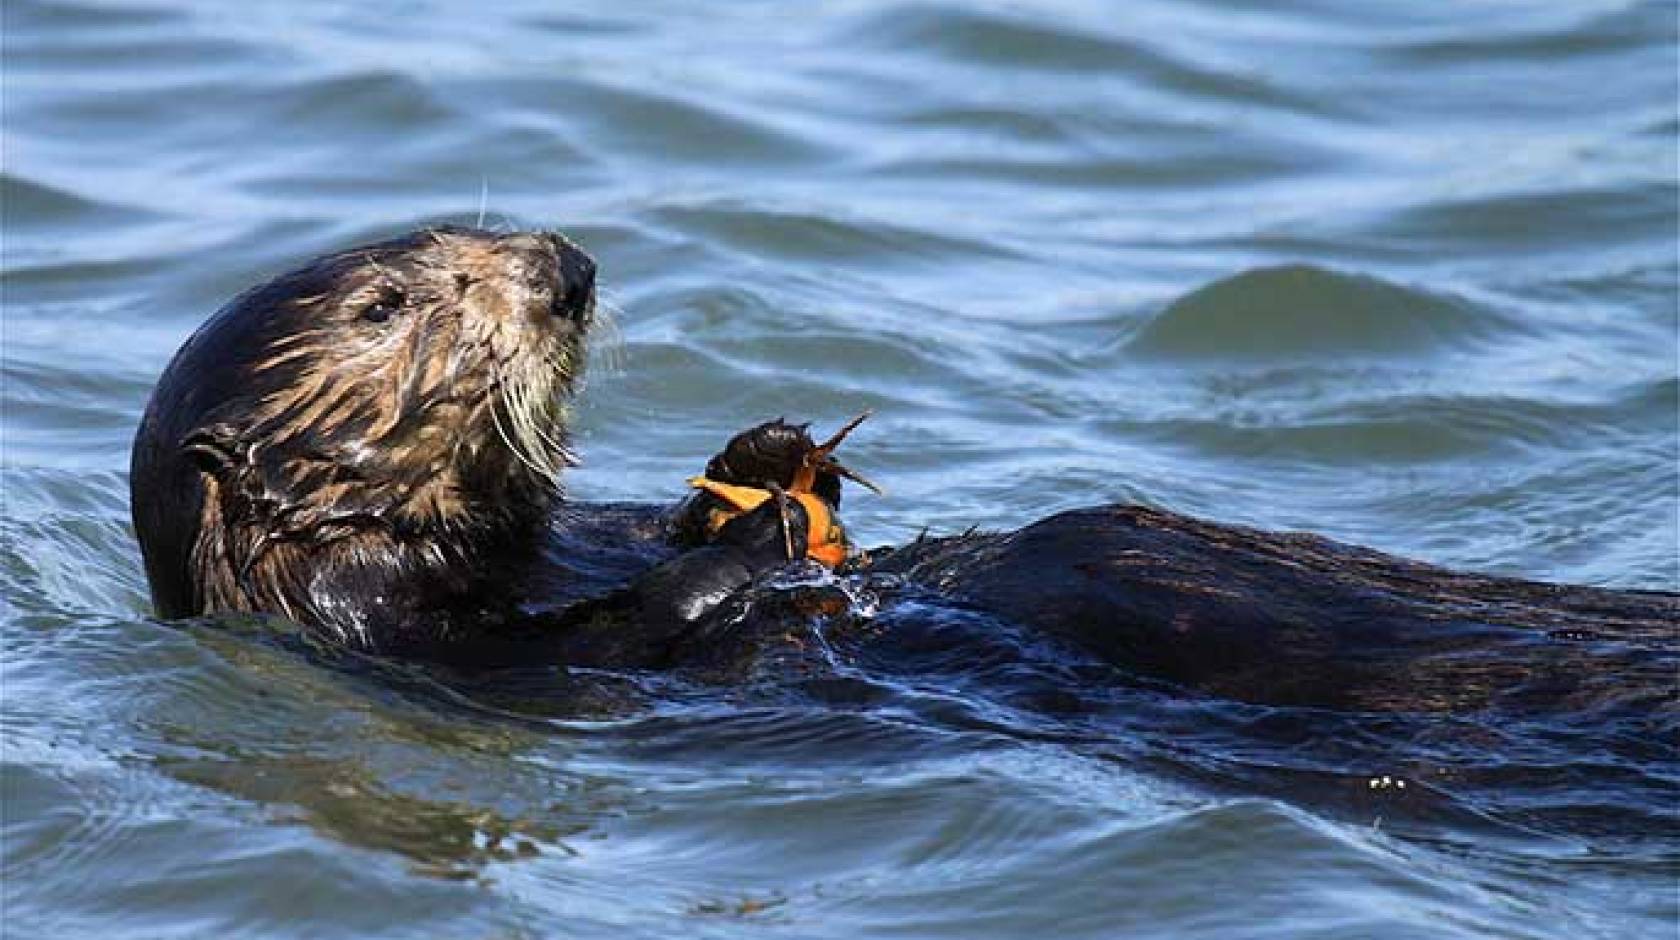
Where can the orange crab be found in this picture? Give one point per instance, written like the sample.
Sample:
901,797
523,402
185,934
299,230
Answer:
779,451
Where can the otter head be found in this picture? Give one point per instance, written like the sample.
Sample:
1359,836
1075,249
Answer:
375,423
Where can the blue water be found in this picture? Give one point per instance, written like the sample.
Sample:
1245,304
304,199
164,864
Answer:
1400,274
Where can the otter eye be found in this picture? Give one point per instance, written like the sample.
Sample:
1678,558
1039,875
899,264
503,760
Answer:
388,302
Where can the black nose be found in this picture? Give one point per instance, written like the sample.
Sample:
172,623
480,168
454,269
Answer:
577,279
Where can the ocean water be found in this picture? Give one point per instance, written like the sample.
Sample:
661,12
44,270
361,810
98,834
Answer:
1402,274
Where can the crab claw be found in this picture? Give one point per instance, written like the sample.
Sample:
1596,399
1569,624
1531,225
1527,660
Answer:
820,459
827,447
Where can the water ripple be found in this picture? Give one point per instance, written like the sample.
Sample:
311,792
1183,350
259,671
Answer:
1398,274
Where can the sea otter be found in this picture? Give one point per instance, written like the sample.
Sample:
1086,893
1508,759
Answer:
363,444
371,447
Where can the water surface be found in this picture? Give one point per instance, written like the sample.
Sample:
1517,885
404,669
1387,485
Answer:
1401,274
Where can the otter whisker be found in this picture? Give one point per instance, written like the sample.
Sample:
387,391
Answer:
542,417
524,433
518,453
518,412
528,413
606,340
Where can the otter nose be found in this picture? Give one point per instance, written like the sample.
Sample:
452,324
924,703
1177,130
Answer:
577,279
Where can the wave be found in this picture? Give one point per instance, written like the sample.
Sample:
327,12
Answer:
1303,311
34,202
989,40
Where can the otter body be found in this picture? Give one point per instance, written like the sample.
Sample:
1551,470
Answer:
370,446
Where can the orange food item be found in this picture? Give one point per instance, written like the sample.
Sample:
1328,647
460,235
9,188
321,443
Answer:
826,541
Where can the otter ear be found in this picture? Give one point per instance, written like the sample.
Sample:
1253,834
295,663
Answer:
214,449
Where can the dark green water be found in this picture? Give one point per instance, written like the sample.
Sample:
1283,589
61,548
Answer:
1403,274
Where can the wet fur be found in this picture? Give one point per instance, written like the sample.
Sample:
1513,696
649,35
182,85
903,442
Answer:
395,485
361,437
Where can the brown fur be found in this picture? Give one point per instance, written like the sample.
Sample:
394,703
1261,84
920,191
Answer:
376,423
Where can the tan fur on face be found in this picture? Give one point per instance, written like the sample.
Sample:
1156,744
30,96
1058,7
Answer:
440,421
439,388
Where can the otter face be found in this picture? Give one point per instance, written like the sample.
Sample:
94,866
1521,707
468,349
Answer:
435,362
388,395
